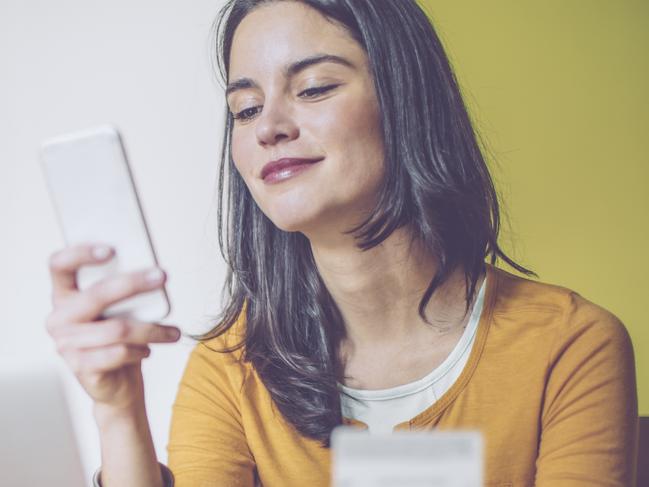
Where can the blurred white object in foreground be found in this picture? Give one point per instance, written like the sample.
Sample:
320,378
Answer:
406,458
37,440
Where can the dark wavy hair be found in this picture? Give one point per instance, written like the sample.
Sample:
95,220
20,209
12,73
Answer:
436,184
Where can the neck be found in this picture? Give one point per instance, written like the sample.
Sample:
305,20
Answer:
378,291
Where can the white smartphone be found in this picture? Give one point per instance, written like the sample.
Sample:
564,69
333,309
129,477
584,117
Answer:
95,200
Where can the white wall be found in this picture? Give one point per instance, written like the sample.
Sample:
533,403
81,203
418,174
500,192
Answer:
144,66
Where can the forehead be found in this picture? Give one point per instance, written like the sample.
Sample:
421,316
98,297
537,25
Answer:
276,34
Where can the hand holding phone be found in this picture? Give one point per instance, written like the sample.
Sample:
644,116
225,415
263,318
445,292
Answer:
104,354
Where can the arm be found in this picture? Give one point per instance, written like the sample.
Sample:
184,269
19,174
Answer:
105,355
207,443
128,455
590,412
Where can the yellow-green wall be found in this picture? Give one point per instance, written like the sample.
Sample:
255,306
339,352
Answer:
559,91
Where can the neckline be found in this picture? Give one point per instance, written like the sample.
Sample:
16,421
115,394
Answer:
438,372
491,286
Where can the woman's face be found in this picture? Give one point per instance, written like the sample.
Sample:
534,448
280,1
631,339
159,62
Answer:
324,112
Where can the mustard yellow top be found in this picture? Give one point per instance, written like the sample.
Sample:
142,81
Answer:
550,383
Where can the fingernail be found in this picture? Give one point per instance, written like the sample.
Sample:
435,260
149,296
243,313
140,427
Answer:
101,252
154,276
173,333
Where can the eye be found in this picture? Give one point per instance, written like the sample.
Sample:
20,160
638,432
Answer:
313,92
246,114
309,93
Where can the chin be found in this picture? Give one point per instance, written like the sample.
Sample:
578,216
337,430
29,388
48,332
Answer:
305,212
289,211
291,223
321,226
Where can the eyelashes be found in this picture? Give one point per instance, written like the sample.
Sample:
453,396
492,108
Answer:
246,114
308,94
318,90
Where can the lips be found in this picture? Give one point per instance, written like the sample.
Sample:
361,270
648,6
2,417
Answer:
286,166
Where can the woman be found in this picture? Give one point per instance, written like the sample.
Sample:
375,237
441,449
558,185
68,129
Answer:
358,218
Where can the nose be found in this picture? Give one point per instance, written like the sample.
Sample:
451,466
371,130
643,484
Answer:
275,124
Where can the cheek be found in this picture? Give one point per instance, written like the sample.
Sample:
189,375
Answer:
239,153
243,156
357,135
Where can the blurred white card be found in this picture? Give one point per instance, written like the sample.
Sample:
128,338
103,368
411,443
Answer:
406,458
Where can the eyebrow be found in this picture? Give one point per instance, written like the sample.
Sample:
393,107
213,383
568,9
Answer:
291,70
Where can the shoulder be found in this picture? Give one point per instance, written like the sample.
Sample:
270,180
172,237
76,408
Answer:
230,343
221,356
560,313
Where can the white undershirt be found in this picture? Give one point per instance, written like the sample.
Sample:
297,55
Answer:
382,409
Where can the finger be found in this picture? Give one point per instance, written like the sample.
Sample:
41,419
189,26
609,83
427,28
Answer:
104,359
89,304
65,263
115,331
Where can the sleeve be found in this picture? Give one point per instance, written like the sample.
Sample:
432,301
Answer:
167,477
207,444
589,423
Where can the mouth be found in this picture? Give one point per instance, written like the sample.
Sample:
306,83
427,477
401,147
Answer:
283,169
